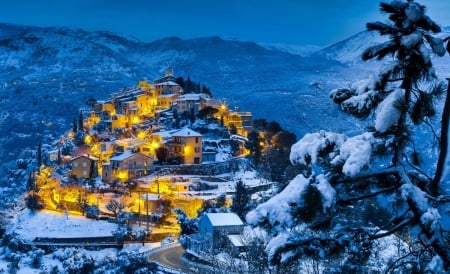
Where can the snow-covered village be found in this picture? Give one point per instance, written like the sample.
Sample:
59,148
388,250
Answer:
214,155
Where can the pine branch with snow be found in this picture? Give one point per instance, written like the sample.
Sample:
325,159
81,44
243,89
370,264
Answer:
349,174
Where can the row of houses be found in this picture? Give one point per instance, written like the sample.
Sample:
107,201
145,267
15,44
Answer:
132,158
132,109
137,104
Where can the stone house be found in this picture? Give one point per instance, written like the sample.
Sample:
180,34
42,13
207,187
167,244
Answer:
84,166
126,166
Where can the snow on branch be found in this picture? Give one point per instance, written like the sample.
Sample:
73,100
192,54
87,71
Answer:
411,41
360,98
355,152
327,192
388,112
307,150
276,211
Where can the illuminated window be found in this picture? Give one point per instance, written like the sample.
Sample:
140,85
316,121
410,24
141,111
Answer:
75,164
84,164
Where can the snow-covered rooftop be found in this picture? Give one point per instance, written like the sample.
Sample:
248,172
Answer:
164,134
224,219
85,156
167,83
193,96
122,156
130,142
151,197
236,240
166,95
186,132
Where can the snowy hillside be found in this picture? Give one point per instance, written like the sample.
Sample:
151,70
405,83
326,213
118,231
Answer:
304,50
349,50
47,74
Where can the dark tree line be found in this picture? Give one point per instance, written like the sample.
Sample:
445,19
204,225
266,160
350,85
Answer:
270,146
190,86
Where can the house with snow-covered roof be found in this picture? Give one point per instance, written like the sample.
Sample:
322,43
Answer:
191,102
217,231
84,166
186,144
125,166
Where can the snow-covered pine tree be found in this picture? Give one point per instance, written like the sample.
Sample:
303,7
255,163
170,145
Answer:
353,173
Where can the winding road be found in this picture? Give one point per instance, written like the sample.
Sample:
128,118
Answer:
171,258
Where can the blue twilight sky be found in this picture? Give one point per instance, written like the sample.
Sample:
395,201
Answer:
296,22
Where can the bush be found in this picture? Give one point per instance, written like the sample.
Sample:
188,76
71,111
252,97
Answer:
34,202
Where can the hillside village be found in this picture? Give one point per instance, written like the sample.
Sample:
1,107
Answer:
143,152
141,124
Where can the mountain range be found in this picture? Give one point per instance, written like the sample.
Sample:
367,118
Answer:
47,74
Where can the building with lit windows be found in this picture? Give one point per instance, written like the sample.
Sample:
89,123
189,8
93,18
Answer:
126,166
84,166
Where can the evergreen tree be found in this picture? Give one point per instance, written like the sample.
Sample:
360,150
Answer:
162,153
254,145
207,91
188,85
240,199
188,226
176,117
192,115
59,157
409,33
180,82
221,200
272,128
39,155
74,126
80,121
351,172
31,182
34,202
207,112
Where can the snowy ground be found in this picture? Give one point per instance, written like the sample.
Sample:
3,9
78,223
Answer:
29,225
54,259
225,183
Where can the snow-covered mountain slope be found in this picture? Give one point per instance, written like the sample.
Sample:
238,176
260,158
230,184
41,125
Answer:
48,73
349,51
293,49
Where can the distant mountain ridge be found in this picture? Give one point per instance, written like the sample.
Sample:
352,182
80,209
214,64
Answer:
351,49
